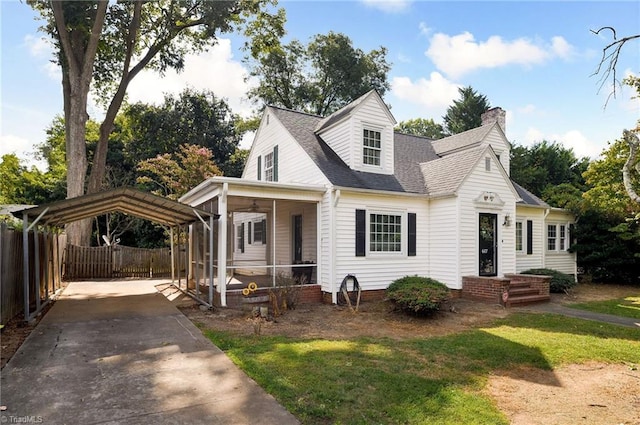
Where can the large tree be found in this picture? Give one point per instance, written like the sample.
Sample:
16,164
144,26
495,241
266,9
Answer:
466,112
318,78
421,127
197,118
106,44
541,168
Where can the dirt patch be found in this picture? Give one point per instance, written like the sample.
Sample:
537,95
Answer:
373,319
15,332
589,394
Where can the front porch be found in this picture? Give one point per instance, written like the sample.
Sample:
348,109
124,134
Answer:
266,232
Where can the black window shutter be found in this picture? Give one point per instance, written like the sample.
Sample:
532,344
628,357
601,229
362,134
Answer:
411,246
259,168
572,238
249,234
242,237
275,163
529,237
361,227
264,231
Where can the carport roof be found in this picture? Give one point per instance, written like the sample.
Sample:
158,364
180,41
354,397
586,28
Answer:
125,200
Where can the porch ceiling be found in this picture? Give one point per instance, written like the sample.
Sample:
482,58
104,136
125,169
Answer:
125,200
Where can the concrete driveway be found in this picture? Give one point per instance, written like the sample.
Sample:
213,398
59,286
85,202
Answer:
120,352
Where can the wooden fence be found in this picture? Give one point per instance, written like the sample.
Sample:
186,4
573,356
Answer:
107,262
50,251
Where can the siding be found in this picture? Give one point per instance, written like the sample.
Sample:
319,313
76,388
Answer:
254,253
294,165
371,114
377,271
534,260
500,146
477,182
563,261
443,241
284,231
339,139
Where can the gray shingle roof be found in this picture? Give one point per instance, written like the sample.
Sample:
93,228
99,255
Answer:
409,152
529,198
463,140
443,176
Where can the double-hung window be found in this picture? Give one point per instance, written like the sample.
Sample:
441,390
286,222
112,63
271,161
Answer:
385,233
371,147
552,237
268,167
519,236
557,237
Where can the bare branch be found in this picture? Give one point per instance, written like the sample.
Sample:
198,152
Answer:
608,65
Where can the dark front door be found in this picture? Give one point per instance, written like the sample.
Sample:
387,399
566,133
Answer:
488,236
297,239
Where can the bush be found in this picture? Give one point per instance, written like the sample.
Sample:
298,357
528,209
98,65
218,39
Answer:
560,282
418,295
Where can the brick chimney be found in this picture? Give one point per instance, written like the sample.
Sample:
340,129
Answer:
496,114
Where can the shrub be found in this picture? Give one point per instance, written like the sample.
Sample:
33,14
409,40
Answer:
560,282
418,295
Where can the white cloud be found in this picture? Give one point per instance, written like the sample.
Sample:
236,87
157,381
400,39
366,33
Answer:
460,54
22,148
215,70
424,29
572,139
40,48
435,93
389,6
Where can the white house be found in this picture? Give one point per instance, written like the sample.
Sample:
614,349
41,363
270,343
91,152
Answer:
348,195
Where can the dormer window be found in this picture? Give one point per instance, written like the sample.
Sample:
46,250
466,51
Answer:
371,147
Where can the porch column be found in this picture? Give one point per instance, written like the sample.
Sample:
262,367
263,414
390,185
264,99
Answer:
222,245
318,243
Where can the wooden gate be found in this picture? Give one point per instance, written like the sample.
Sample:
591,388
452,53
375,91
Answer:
107,262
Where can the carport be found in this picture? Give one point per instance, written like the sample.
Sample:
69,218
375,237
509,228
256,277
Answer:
175,215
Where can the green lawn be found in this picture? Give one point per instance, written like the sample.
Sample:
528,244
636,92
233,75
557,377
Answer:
435,380
625,307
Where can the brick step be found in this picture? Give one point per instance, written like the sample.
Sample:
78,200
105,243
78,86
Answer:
519,284
518,291
527,299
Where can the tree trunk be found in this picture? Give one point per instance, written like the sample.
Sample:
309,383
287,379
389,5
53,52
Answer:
78,53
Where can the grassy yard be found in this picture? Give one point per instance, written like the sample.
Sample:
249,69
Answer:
434,380
625,307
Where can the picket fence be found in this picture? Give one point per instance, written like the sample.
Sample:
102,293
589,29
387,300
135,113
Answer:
112,262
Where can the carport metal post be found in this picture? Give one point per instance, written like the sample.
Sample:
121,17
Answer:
173,257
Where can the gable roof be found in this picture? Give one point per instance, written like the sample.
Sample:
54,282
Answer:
409,152
345,111
462,140
444,176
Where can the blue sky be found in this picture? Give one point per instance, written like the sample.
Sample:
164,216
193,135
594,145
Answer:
533,59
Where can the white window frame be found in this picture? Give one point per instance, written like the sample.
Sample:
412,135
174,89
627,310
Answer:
268,167
239,238
370,152
520,225
561,237
402,233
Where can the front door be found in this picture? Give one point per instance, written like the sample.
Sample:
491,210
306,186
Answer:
297,239
488,237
